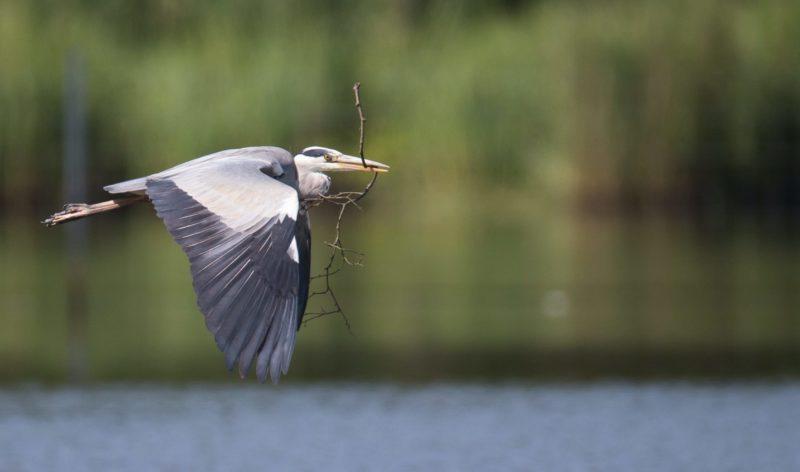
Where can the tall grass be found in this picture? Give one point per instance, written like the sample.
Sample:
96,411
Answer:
622,104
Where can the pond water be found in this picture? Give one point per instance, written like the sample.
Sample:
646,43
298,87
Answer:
615,426
493,290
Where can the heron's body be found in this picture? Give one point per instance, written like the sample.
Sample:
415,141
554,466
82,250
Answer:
238,216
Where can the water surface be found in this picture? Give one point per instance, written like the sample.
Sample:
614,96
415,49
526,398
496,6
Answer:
593,426
500,291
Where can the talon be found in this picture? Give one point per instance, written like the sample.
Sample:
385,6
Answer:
75,207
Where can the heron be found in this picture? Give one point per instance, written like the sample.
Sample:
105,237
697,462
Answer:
241,217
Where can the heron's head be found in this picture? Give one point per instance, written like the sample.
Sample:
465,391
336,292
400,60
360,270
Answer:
322,159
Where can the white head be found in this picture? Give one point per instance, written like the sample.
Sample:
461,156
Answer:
322,159
315,160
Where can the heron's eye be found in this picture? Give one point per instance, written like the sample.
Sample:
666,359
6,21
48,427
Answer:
328,157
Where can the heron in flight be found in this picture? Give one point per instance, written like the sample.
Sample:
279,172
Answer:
239,216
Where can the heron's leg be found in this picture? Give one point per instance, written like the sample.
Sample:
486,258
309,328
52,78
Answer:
75,211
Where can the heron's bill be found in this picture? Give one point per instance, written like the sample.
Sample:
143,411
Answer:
353,163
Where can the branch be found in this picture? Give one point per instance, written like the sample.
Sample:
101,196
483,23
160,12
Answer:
361,122
339,253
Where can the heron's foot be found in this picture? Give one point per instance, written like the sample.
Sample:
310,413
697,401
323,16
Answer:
75,207
70,212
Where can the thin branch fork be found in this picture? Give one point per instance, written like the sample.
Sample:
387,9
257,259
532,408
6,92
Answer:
339,252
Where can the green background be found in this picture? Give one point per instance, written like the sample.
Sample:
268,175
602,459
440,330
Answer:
578,189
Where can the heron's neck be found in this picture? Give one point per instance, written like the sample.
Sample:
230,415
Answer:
312,184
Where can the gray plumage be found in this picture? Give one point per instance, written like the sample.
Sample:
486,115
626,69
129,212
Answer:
270,153
238,216
236,221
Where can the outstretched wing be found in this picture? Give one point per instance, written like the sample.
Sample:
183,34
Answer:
236,222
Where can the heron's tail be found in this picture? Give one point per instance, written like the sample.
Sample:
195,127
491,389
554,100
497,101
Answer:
76,211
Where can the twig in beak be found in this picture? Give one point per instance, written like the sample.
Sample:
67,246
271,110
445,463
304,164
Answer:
362,121
345,255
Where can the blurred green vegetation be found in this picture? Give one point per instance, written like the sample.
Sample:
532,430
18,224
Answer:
619,103
522,138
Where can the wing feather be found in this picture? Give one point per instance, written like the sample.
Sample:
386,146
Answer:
303,237
236,225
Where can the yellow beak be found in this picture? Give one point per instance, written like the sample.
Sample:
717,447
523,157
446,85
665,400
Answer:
352,163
